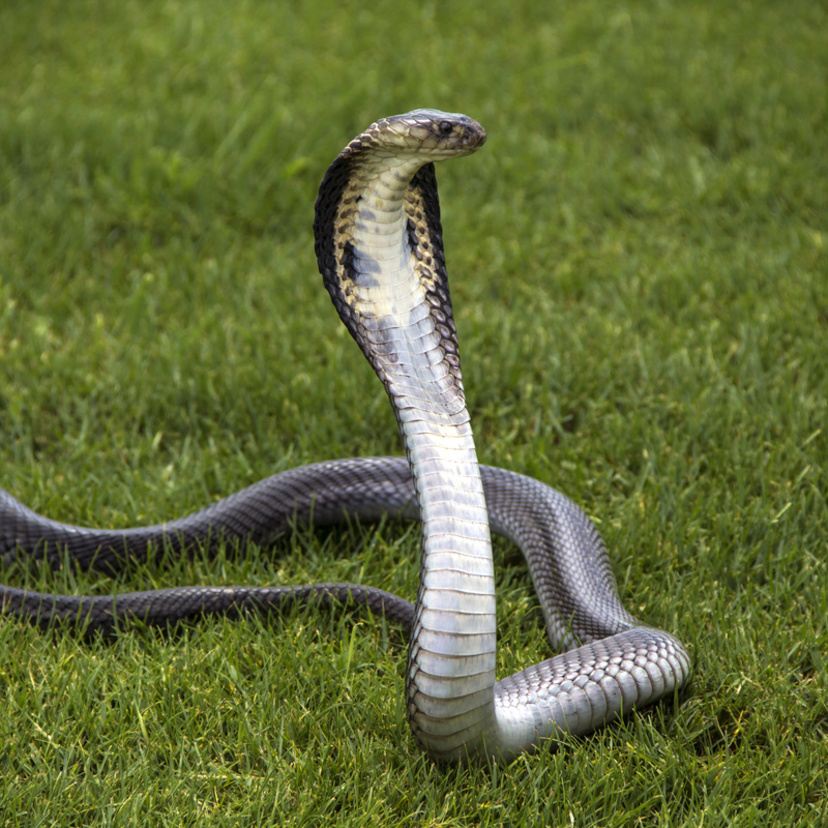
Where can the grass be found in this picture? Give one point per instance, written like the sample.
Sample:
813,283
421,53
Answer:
638,261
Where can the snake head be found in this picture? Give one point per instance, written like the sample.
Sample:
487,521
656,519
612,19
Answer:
435,133
424,135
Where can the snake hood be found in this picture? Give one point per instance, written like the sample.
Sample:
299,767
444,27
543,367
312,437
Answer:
378,217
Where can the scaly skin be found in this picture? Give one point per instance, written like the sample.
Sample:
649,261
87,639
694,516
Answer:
380,251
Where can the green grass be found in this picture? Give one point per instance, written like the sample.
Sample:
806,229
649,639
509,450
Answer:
638,262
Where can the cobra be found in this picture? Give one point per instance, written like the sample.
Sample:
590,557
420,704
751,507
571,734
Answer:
380,251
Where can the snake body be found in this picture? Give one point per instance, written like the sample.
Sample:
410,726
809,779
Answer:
380,252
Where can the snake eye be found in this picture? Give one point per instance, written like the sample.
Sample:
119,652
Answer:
446,127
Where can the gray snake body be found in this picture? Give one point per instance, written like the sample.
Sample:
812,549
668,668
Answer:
379,247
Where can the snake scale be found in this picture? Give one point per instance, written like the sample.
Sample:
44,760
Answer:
380,251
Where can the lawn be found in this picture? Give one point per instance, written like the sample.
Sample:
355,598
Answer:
640,278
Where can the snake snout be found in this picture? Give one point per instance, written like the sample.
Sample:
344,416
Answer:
458,132
474,135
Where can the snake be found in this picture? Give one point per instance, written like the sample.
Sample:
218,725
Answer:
379,248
